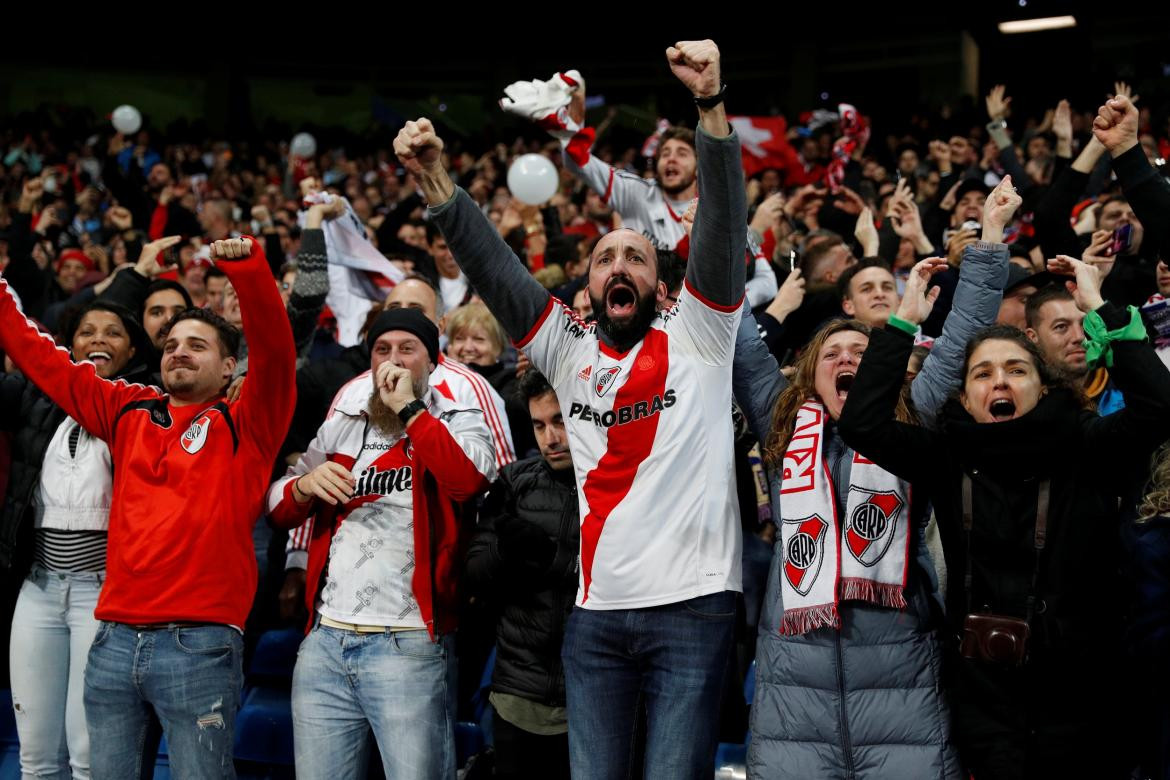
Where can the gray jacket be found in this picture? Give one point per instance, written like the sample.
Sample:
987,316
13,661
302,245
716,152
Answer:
864,701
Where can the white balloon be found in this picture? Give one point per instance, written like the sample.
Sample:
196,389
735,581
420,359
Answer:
532,179
126,119
303,145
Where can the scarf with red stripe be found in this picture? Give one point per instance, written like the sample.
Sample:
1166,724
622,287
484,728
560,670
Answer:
825,560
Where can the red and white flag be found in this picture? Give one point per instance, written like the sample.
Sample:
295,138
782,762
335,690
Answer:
764,142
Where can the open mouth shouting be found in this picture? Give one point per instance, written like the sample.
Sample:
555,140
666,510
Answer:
842,383
621,300
99,358
1002,409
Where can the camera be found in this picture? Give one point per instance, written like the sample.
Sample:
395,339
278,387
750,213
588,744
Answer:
996,639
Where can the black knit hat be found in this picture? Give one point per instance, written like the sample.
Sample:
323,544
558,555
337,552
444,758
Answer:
411,321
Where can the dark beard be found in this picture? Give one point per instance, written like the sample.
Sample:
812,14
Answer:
627,334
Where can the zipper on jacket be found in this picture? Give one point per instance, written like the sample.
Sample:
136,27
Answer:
846,742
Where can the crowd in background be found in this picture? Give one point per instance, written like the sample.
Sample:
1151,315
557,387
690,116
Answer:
88,214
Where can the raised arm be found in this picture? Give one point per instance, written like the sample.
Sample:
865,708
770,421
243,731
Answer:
266,402
715,270
1116,338
867,422
978,295
1116,127
756,380
311,287
75,387
514,297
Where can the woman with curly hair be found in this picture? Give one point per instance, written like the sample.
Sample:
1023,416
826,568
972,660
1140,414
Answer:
848,680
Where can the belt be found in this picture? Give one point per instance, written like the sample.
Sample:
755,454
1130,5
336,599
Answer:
357,629
168,626
360,629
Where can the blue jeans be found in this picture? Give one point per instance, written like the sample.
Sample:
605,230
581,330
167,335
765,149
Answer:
401,685
189,676
52,629
672,660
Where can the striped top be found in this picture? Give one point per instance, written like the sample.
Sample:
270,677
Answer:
58,550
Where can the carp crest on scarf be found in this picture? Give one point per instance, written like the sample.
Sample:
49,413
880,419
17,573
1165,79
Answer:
826,561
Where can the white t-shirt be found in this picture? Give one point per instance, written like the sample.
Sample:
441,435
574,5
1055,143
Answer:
651,436
453,291
371,557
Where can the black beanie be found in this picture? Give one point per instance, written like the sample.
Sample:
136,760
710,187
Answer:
411,321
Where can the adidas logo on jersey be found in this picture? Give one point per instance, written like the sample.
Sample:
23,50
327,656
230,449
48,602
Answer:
584,373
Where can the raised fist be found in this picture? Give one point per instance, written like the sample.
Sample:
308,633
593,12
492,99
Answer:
1116,125
418,147
696,65
231,249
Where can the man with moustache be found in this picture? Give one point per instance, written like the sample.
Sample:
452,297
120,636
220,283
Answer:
382,486
646,396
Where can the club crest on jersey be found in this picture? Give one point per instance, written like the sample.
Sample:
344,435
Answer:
196,436
804,552
604,380
869,528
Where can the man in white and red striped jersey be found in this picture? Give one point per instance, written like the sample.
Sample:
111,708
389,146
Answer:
646,395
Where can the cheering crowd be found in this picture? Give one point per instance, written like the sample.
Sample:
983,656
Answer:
622,440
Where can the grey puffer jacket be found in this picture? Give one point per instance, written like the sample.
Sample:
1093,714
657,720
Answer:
864,701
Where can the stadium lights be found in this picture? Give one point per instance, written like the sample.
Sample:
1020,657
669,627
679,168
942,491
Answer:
1035,25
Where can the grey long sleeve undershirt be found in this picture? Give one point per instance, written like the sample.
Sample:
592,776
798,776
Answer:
716,268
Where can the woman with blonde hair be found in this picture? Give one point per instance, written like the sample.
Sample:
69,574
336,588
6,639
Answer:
476,339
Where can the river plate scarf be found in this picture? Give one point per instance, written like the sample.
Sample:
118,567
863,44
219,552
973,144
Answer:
827,560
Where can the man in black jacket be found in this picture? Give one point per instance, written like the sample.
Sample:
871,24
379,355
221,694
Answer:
523,560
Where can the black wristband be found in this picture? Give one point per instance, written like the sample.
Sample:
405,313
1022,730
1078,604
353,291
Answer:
714,100
410,410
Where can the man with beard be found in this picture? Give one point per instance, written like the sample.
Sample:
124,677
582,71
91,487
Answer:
189,474
652,207
646,396
382,486
1056,327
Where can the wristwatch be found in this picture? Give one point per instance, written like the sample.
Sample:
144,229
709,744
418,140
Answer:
410,410
714,100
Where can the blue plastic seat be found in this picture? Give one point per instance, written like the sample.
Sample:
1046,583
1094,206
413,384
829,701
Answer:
276,655
7,719
468,741
264,731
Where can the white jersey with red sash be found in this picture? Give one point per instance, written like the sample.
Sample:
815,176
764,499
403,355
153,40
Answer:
651,435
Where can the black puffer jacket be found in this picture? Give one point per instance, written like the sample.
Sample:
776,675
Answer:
32,419
532,604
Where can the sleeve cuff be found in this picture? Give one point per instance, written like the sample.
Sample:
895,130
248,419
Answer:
897,323
435,211
1132,166
297,559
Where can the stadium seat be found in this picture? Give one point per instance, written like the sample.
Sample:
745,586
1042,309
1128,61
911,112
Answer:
275,656
264,732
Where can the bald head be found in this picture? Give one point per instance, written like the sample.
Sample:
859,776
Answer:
415,293
625,235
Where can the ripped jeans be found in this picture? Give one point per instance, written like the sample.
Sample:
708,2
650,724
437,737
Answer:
190,676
